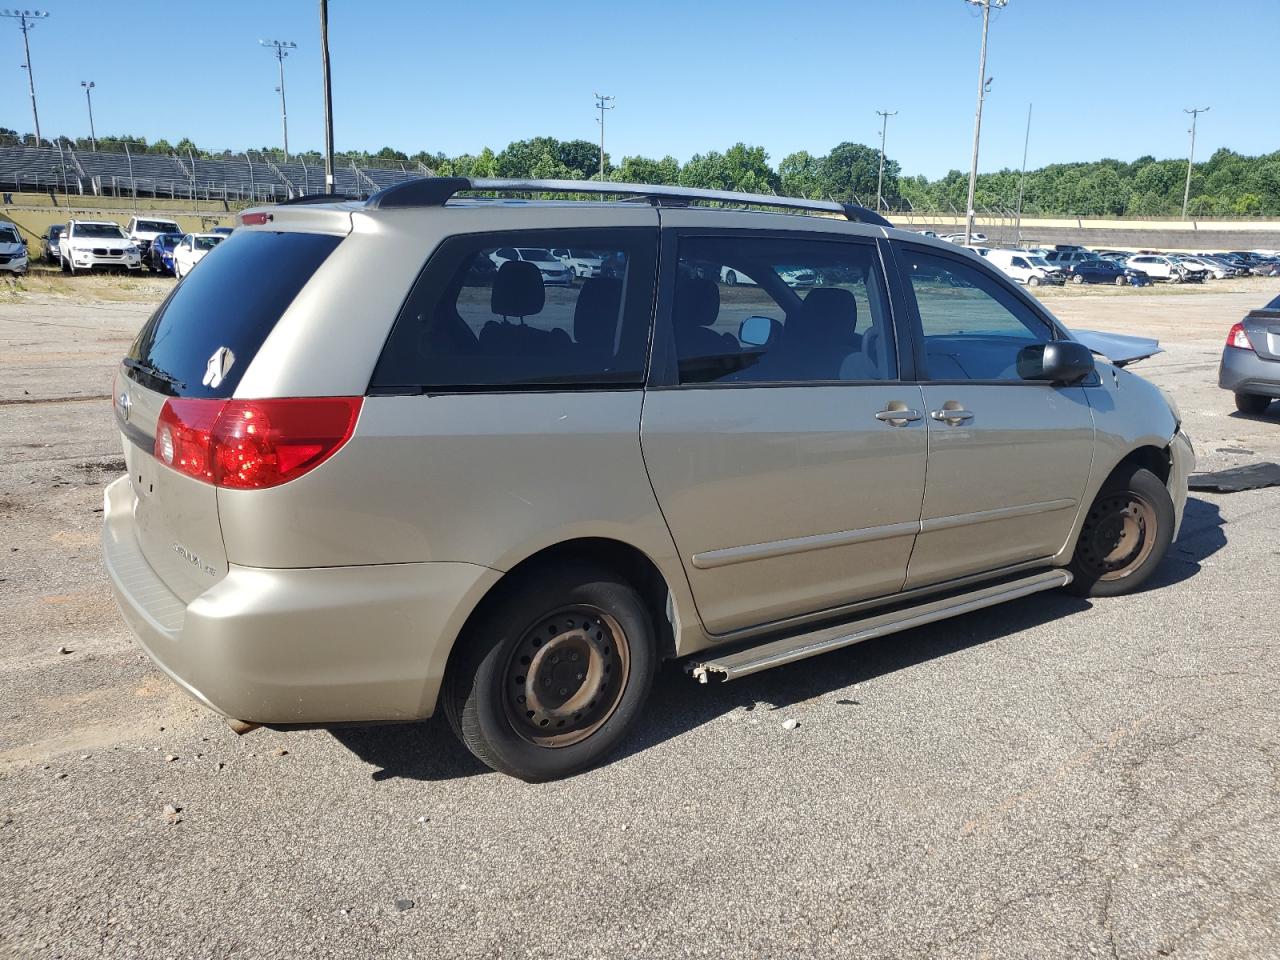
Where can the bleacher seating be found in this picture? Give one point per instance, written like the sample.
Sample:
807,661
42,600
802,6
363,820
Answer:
167,175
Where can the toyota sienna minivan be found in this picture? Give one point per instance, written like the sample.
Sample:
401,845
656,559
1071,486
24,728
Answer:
368,480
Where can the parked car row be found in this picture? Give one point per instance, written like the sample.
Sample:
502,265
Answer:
151,243
1065,262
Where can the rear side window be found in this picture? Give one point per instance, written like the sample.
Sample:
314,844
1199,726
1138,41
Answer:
232,301
498,311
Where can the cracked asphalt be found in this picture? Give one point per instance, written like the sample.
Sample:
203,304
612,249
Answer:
1055,778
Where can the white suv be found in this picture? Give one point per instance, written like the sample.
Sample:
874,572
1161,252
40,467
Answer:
1167,268
142,230
87,244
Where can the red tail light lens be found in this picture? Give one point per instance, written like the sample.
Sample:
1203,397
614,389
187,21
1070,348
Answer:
252,444
1239,337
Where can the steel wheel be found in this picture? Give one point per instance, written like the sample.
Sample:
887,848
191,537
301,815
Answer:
1119,534
566,676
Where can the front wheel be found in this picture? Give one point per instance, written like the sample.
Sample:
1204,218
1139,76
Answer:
1077,278
1125,535
1252,403
1033,281
553,676
731,279
1121,280
1175,277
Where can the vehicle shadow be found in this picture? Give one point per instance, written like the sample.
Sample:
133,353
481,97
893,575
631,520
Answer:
429,751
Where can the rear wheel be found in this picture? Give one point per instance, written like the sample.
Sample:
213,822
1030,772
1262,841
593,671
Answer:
1125,535
552,678
1252,403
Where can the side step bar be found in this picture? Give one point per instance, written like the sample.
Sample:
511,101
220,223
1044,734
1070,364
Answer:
741,663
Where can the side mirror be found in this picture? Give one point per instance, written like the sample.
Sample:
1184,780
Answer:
758,331
1060,361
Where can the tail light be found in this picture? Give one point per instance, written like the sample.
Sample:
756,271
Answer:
1237,336
252,444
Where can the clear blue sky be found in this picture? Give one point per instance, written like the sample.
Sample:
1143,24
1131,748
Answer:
1108,78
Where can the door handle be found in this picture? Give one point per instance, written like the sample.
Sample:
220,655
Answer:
898,418
951,416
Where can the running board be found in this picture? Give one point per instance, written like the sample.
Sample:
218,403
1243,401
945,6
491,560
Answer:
741,663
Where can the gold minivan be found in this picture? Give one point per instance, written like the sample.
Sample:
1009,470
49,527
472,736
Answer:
386,457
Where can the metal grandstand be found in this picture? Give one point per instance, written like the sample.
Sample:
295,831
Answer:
60,168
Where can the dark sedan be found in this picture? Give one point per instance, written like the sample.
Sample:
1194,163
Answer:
1107,271
160,253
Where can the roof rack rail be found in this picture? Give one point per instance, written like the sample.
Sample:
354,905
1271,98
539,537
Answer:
436,191
318,198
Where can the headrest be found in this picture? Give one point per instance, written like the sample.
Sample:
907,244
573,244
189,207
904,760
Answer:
595,317
697,302
518,290
824,310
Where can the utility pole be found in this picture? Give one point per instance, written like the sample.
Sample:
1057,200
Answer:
602,105
88,95
281,48
986,6
328,97
1186,193
25,24
1022,180
884,127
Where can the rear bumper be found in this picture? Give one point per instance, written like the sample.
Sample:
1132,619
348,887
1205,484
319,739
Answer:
1243,371
312,645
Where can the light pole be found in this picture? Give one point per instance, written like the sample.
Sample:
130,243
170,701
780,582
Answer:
602,105
25,24
281,48
986,6
884,128
1186,192
328,97
1022,179
88,95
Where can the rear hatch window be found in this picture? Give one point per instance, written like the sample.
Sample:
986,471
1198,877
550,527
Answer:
200,341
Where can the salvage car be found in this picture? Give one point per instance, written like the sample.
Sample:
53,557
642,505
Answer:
455,504
1250,366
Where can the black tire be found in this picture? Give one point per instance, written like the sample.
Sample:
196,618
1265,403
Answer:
1121,280
1124,537
66,267
1033,281
1077,278
1252,403
731,279
573,611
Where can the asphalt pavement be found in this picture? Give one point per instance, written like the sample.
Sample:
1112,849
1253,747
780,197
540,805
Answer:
1054,778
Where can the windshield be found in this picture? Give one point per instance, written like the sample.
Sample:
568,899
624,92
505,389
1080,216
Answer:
9,235
1038,261
229,302
99,230
207,243
56,231
537,255
156,226
167,240
584,255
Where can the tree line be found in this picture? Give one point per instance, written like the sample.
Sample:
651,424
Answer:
1227,184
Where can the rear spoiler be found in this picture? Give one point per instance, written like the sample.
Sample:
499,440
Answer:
1119,348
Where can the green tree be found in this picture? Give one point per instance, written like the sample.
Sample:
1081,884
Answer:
647,170
800,175
743,168
849,173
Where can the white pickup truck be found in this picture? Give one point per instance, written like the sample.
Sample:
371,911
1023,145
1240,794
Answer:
87,244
